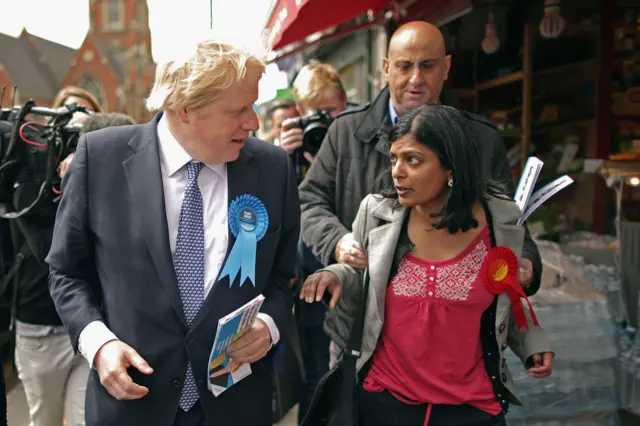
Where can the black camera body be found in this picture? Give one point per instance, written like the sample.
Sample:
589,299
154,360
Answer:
30,152
314,126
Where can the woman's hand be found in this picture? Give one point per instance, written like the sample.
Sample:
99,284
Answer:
525,273
541,365
314,287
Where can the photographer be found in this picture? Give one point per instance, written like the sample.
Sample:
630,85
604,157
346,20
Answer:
278,113
53,376
320,97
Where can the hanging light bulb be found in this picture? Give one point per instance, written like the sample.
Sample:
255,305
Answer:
552,24
490,43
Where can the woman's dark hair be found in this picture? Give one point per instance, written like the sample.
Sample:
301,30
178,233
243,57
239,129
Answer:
449,134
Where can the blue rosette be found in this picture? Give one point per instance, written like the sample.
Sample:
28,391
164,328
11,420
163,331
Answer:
248,222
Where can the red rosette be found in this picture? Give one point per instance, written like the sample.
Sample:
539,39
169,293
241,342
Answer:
500,272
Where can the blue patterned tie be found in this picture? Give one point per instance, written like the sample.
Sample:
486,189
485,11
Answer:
189,266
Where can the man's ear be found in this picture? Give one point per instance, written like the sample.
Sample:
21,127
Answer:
385,68
447,66
184,116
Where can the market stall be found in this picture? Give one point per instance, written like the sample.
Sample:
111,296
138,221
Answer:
561,82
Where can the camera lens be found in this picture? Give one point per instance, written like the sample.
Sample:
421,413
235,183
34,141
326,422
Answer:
313,137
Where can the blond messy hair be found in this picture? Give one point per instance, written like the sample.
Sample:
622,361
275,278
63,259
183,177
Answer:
316,83
199,77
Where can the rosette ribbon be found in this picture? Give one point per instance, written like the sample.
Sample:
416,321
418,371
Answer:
248,222
500,272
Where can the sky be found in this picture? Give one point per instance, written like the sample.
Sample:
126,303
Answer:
67,22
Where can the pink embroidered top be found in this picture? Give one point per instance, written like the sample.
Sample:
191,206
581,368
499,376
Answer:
429,350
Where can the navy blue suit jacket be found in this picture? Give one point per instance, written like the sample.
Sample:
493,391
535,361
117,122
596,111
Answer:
110,261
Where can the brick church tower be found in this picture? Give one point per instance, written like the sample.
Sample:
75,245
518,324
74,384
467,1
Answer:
115,61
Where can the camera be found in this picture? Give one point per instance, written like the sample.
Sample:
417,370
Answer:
30,153
314,126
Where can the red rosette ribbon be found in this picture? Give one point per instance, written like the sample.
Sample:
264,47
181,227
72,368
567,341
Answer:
500,272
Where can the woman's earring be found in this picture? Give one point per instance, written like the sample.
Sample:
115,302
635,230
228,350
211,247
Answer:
450,183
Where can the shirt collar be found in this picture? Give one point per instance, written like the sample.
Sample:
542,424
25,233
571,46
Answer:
393,114
173,155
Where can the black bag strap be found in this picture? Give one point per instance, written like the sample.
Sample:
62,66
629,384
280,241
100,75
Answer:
355,338
23,255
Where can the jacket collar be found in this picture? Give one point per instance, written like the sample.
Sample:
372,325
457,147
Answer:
377,118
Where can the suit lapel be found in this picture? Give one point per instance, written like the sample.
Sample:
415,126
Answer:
145,183
241,179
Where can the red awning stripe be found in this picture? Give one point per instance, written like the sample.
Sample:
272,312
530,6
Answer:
298,47
294,20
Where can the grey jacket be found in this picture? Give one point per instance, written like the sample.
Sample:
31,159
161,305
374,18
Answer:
377,228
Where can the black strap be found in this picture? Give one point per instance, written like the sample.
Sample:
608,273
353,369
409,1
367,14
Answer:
23,255
355,338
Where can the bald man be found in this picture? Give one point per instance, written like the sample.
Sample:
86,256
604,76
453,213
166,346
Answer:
353,162
416,67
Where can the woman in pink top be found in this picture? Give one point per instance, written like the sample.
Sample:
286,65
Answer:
434,336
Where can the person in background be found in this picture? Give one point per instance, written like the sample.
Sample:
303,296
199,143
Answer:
54,377
103,120
435,333
76,95
97,121
316,87
278,113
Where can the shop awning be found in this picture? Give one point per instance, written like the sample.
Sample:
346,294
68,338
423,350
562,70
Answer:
293,20
438,12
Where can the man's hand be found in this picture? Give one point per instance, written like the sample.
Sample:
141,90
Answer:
525,273
541,365
349,252
64,165
253,345
290,136
314,287
112,361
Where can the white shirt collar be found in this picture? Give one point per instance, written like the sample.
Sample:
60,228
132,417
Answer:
393,113
173,155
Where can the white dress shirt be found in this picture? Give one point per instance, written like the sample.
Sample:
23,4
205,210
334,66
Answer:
213,185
